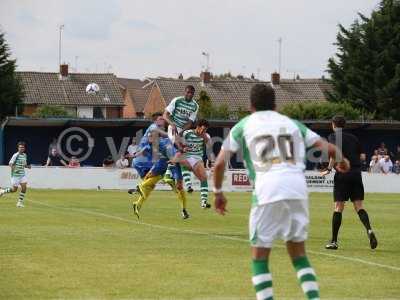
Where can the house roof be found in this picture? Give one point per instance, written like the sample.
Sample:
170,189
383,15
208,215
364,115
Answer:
292,91
139,91
47,88
235,93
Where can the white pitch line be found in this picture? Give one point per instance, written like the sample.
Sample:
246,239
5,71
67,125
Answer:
209,234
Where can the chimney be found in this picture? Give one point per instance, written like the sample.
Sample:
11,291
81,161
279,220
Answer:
275,78
63,71
205,77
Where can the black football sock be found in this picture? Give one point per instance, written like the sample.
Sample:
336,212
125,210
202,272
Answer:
364,218
336,222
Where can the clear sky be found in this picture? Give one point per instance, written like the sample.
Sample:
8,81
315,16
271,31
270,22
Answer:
138,39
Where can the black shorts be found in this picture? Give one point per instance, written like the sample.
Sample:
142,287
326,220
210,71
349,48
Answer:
348,186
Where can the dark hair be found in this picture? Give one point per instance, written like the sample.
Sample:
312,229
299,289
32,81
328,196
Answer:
339,121
190,87
156,115
21,144
262,97
202,122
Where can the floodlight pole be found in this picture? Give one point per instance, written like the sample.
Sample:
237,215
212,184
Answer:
280,55
59,45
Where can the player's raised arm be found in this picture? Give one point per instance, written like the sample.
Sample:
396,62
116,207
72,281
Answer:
167,118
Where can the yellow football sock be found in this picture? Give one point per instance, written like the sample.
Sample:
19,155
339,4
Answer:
146,187
182,198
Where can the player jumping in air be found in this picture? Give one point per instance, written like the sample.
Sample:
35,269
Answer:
274,148
166,153
194,141
180,115
349,185
18,163
143,161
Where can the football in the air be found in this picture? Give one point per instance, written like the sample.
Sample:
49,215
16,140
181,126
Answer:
92,88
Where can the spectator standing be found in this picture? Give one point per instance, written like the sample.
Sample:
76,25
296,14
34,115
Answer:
382,150
55,160
123,162
397,154
396,167
363,162
386,164
74,163
374,165
53,144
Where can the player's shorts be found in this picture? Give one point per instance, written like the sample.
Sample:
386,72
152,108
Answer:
192,160
161,166
16,181
348,186
172,137
142,167
285,219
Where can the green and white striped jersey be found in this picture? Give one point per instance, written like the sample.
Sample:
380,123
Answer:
19,161
274,151
182,111
194,144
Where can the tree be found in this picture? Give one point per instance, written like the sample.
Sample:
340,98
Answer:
221,112
241,113
366,69
10,86
321,111
205,105
51,111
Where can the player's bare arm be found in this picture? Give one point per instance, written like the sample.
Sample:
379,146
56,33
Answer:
167,118
218,177
187,126
334,154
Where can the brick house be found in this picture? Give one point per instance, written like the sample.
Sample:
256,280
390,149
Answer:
234,92
135,93
69,91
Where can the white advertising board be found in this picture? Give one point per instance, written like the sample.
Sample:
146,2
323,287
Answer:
235,180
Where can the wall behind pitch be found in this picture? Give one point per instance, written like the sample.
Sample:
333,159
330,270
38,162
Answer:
235,180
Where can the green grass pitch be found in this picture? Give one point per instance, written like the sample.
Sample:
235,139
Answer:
88,245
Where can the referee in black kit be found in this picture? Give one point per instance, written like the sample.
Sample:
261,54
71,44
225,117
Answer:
347,185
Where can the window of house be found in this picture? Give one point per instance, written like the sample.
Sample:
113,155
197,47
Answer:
98,112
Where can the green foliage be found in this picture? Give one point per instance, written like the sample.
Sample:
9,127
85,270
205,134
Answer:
223,76
10,86
205,105
366,69
208,110
221,112
241,113
321,111
51,111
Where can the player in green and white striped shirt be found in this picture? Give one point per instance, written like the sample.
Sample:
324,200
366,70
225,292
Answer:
194,142
18,163
180,115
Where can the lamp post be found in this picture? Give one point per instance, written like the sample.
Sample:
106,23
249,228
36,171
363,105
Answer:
59,45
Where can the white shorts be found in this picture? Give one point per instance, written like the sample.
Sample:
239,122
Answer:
193,161
16,181
286,220
172,137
